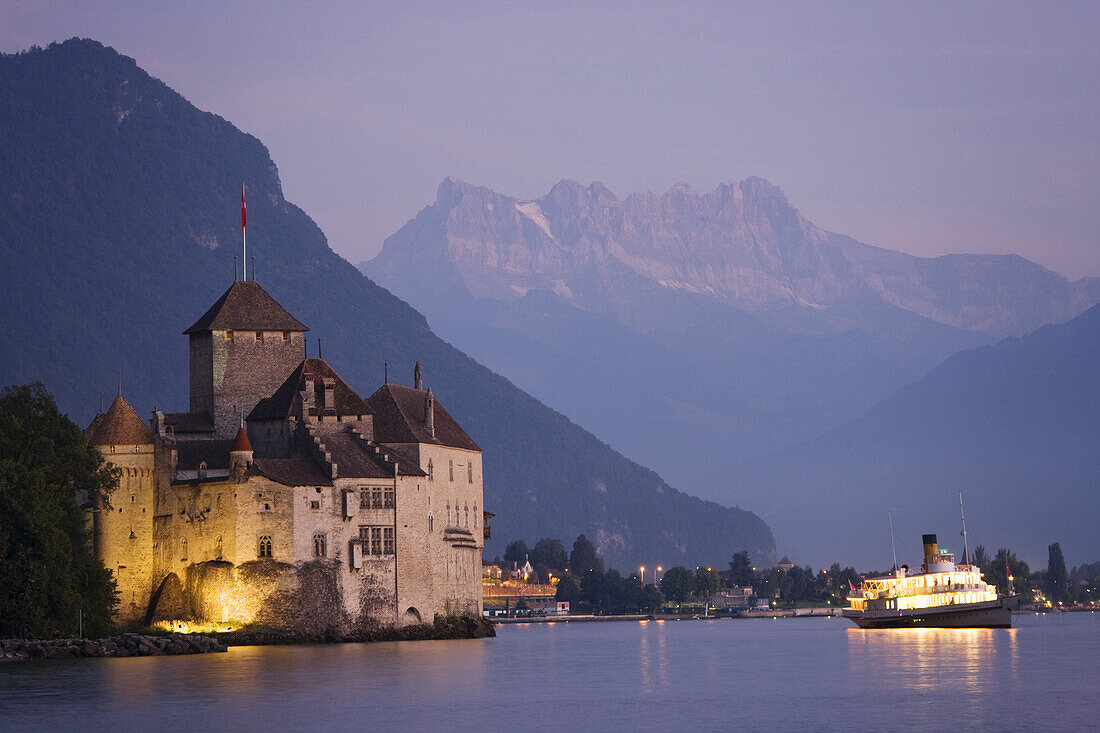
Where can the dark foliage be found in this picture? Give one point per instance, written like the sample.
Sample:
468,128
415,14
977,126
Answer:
49,577
549,554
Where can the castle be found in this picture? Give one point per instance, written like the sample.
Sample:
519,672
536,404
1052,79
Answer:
283,498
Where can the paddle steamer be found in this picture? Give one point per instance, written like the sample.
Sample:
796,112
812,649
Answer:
942,594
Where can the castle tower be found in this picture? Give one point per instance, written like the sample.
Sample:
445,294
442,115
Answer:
124,530
241,349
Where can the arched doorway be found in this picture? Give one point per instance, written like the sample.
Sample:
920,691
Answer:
410,617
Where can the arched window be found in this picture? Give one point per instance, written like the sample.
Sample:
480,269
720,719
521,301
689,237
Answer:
431,470
265,546
218,547
431,523
467,511
469,471
318,545
451,465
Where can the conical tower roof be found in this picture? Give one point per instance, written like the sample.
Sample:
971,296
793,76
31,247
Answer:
246,307
241,442
120,425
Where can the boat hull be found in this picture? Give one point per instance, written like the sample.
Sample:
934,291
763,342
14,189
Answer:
988,615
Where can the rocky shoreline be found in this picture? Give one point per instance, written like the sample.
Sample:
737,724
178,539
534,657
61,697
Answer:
148,645
453,627
126,645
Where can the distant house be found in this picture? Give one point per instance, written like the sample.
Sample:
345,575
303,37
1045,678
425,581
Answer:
785,564
731,598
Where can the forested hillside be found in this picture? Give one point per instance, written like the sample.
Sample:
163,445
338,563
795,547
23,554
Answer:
118,228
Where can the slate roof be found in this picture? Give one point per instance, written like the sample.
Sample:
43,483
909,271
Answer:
190,453
120,425
291,471
189,422
287,399
399,418
246,307
354,460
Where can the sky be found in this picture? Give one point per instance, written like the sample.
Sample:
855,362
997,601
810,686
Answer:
926,127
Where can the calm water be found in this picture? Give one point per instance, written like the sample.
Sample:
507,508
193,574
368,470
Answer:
687,675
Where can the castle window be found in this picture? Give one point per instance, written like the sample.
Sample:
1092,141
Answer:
387,540
470,472
364,498
451,465
431,471
387,498
218,548
228,335
315,505
318,545
260,336
376,541
265,546
431,523
286,335
183,548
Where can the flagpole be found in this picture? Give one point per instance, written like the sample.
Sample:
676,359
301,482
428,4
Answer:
244,234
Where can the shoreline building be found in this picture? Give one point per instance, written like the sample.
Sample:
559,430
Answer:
284,498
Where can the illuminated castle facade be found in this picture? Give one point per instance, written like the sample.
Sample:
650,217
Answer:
283,498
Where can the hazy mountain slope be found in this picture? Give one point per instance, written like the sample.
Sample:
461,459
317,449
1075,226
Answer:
1016,426
118,227
718,384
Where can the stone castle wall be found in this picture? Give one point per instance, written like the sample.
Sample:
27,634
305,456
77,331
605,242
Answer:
124,531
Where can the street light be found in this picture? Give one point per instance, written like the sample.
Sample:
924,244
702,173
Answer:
655,572
643,574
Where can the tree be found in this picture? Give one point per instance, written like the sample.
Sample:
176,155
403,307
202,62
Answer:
49,576
742,573
516,552
584,558
707,583
676,584
1004,564
549,554
1057,579
568,590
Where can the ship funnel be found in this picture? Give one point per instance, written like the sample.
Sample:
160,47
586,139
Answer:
931,549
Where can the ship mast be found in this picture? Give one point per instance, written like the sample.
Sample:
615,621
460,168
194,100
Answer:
892,550
966,550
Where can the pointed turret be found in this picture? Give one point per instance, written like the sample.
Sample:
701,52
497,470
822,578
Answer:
240,454
120,425
429,413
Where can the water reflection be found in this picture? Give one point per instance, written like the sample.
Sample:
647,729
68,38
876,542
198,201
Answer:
920,659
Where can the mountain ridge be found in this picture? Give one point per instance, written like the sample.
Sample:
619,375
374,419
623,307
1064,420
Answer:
741,242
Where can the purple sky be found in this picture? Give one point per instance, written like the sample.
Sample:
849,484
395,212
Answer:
923,127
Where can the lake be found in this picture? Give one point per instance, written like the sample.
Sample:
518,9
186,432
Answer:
819,673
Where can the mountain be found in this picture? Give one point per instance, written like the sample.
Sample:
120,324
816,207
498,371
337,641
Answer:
1015,426
696,332
118,227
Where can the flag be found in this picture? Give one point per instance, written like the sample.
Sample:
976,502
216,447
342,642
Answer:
244,219
850,586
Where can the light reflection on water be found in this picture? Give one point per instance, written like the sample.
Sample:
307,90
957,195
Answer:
922,657
675,675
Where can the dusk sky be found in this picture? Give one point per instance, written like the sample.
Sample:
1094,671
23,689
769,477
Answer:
924,127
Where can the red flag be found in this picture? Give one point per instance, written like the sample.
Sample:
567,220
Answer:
244,219
850,586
